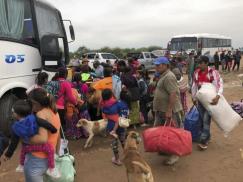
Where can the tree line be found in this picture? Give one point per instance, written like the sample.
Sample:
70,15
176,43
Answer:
119,52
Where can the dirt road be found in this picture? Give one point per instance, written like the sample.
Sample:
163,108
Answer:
220,163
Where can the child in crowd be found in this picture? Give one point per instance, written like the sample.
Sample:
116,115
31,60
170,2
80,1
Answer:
183,88
124,104
83,90
81,87
26,127
72,117
151,90
41,79
111,110
143,92
153,84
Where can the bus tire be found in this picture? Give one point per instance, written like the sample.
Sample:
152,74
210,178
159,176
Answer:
6,118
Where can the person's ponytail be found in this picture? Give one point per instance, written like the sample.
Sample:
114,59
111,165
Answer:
45,99
52,103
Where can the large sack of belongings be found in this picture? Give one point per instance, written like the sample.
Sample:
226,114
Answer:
222,113
168,139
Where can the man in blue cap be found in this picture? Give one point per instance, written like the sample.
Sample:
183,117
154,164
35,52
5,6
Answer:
166,103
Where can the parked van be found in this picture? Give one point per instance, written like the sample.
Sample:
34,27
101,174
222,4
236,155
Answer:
160,53
101,57
144,58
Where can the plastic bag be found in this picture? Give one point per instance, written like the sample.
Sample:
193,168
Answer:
65,164
192,123
124,122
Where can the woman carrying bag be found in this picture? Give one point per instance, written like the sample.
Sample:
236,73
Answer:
35,165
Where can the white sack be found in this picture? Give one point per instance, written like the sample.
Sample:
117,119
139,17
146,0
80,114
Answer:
222,113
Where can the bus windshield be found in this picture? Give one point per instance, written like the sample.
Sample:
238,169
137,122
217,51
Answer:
16,20
48,20
184,43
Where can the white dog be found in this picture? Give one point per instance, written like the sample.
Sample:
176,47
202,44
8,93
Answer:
93,128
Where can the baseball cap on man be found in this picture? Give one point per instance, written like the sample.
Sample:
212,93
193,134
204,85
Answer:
161,60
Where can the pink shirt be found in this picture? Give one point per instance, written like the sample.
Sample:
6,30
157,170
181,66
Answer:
65,94
83,87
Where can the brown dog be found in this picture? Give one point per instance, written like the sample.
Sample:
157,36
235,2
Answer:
241,152
93,128
137,168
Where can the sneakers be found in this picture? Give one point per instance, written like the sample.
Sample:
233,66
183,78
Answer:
54,173
172,160
116,161
202,146
19,169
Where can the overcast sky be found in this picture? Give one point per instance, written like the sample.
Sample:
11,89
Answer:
138,23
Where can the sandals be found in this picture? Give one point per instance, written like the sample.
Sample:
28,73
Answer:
202,146
116,161
171,161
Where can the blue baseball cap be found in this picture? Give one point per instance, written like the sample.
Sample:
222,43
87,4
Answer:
161,60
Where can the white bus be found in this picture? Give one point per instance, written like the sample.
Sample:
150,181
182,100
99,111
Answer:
32,38
204,43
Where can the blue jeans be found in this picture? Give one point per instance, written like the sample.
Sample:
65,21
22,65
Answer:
34,168
205,125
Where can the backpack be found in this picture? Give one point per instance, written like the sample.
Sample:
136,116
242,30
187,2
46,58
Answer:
53,87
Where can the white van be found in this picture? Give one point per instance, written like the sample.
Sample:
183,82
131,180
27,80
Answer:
144,58
101,57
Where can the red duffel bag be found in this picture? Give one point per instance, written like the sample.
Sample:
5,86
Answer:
167,139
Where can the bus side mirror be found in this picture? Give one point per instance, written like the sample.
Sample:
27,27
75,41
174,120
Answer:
50,47
50,51
72,32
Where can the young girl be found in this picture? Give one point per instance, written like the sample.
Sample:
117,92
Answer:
124,104
110,110
143,92
64,95
83,90
25,127
41,79
72,118
183,88
81,87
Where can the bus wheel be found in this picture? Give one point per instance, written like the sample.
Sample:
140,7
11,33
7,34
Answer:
6,119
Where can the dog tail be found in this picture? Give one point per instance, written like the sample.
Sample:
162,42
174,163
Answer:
141,166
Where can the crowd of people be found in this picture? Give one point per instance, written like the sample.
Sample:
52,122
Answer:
107,91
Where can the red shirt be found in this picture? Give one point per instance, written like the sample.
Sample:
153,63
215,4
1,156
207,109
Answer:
203,77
